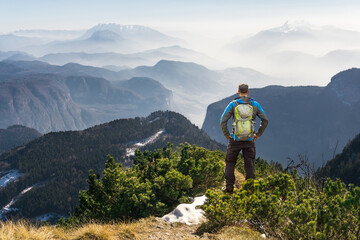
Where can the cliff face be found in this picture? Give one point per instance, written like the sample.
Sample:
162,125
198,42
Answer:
312,121
49,98
345,165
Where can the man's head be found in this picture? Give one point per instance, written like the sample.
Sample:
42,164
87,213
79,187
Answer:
243,89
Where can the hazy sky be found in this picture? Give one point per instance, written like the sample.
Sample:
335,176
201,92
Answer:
202,16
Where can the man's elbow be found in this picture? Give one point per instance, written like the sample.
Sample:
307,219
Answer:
265,122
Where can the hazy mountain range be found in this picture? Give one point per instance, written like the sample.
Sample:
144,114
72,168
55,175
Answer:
192,88
195,86
299,53
53,98
148,57
105,44
312,121
299,35
296,53
101,38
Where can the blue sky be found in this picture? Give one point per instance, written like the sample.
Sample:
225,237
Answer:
174,15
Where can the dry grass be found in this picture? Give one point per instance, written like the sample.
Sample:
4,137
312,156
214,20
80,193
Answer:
239,179
25,230
148,228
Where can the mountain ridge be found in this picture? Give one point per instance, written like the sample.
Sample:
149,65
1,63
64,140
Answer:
16,135
301,119
56,164
69,97
345,165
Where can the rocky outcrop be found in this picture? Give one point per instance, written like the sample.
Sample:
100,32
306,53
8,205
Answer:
315,122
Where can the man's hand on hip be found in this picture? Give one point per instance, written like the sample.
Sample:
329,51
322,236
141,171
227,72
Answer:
228,138
255,137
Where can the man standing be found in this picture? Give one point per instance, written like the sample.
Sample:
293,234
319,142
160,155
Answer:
243,111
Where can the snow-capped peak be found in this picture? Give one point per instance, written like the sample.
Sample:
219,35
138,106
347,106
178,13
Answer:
118,28
293,26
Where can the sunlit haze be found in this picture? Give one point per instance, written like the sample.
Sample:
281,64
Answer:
210,27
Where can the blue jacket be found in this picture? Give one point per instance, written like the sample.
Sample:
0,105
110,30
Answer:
229,112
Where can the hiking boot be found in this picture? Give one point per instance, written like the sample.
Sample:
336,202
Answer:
227,189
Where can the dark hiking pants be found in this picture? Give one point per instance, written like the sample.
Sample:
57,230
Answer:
233,150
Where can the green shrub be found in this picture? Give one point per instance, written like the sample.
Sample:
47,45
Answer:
274,206
156,183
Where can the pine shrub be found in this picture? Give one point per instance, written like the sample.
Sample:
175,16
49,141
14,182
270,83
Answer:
157,182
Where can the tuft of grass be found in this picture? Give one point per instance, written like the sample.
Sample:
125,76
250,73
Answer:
239,178
93,231
25,230
147,228
20,230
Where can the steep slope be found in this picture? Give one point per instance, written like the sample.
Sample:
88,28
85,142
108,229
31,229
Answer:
345,165
315,121
53,98
41,102
16,135
56,165
178,75
193,85
149,89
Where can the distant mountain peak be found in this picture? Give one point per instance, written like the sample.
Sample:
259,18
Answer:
121,29
294,27
346,85
105,35
166,63
118,27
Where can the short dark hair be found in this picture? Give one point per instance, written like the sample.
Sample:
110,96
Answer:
243,88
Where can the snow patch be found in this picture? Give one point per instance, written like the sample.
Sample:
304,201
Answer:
9,177
131,151
187,213
155,119
8,208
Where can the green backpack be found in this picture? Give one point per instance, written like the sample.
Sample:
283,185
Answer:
243,124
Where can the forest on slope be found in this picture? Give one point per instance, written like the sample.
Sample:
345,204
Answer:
56,165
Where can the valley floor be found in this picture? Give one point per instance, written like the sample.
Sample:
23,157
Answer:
148,228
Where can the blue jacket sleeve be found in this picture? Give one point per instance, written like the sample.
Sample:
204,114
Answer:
263,119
